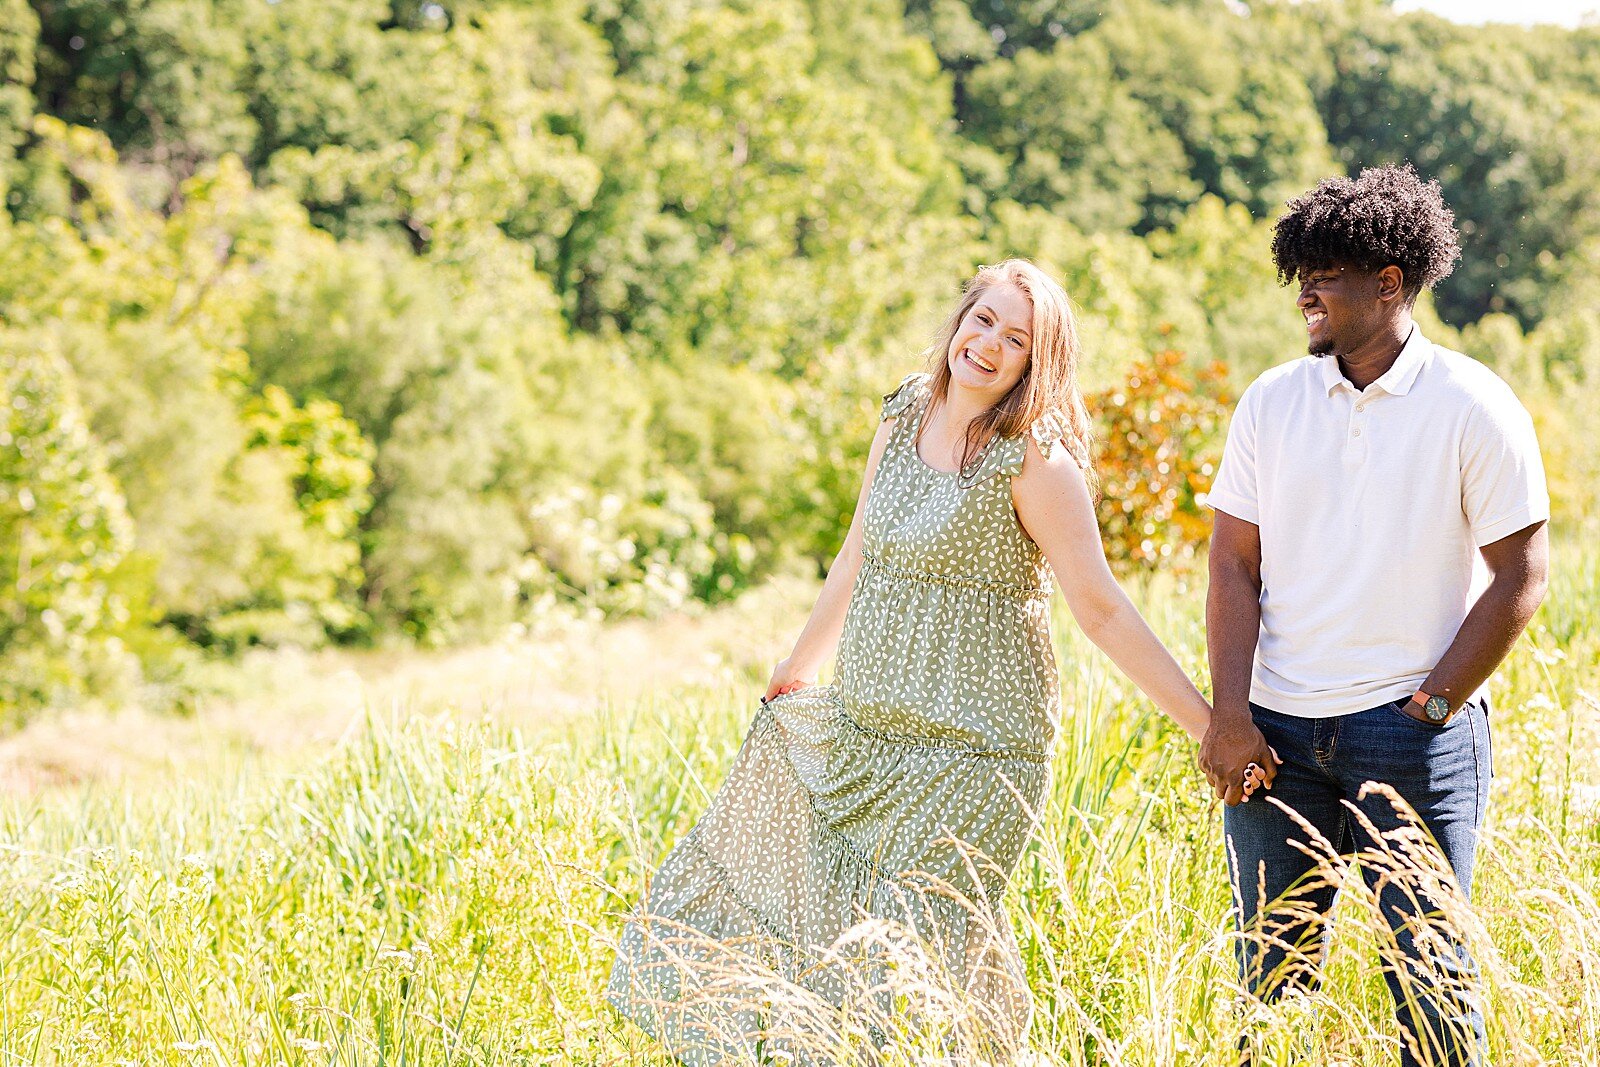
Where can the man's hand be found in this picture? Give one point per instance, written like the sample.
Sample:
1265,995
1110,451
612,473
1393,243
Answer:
1231,744
1413,709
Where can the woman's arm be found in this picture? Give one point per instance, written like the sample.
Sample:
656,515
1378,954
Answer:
820,638
1054,506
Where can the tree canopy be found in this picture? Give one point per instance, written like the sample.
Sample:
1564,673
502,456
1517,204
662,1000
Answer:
360,319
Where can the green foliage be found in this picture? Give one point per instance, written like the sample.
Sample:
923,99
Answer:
146,310
328,464
1107,162
1126,124
19,32
64,533
159,77
417,319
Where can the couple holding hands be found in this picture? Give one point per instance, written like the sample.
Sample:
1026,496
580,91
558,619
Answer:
1379,544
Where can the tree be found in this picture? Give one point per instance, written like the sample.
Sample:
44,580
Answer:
64,532
146,310
19,31
160,78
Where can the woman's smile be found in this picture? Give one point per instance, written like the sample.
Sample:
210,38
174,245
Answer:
979,362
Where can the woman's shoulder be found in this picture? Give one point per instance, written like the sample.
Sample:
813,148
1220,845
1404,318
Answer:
912,390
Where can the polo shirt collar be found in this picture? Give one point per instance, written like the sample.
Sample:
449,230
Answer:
1397,380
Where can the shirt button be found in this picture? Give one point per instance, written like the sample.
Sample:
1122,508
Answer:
1356,432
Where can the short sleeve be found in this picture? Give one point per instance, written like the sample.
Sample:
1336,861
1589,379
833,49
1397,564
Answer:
906,394
1235,489
1502,475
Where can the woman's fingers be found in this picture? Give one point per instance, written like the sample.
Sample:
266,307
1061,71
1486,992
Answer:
1253,779
777,689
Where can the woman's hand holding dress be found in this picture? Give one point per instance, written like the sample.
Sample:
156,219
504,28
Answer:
787,677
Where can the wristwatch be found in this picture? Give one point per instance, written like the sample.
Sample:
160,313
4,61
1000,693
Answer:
1437,709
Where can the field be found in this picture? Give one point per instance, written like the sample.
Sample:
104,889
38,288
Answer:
413,860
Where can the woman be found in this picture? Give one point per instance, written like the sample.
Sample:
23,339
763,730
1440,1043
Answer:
905,790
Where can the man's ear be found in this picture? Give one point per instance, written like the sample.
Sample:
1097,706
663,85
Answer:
1391,283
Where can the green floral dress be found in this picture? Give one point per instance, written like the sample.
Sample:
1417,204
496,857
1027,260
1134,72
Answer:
905,791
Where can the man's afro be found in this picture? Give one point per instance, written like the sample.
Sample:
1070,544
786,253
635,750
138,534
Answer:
1383,216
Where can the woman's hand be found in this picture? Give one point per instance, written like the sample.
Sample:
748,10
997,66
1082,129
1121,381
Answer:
788,677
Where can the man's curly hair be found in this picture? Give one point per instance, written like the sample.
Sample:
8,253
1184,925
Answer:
1383,216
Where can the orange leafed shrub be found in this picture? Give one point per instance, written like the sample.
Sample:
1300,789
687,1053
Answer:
1159,441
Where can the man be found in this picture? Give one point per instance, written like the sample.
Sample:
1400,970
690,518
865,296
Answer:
1379,545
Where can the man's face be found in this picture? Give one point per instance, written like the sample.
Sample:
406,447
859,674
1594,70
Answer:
1342,308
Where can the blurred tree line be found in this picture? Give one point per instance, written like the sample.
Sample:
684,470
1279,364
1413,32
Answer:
342,320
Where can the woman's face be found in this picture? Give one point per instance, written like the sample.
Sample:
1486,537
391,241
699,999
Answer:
990,350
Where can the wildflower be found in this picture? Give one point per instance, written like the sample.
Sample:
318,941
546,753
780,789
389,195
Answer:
398,958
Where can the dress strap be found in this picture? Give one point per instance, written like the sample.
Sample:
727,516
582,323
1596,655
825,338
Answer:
911,391
1004,455
1048,431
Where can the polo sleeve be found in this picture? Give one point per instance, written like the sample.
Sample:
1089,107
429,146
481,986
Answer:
1234,491
1502,476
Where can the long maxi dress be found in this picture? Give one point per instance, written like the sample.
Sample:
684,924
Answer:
903,792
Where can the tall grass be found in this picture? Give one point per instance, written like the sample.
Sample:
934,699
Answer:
434,891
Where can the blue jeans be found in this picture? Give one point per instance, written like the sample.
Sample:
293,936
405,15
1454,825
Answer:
1443,773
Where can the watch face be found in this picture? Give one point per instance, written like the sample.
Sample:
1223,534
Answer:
1437,709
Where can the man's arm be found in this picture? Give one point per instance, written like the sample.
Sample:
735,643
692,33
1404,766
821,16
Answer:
1519,568
1233,624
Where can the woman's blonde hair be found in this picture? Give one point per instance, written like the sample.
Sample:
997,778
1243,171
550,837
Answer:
1049,386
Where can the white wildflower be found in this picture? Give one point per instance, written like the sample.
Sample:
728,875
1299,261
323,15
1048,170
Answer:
398,958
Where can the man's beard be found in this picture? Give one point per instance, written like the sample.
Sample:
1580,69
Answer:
1320,348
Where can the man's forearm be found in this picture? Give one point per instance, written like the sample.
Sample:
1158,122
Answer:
1233,625
1486,637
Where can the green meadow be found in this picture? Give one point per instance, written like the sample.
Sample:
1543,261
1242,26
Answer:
440,882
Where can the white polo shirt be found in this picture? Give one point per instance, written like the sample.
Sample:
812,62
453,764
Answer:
1372,505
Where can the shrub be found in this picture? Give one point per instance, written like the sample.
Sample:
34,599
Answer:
64,531
1159,443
